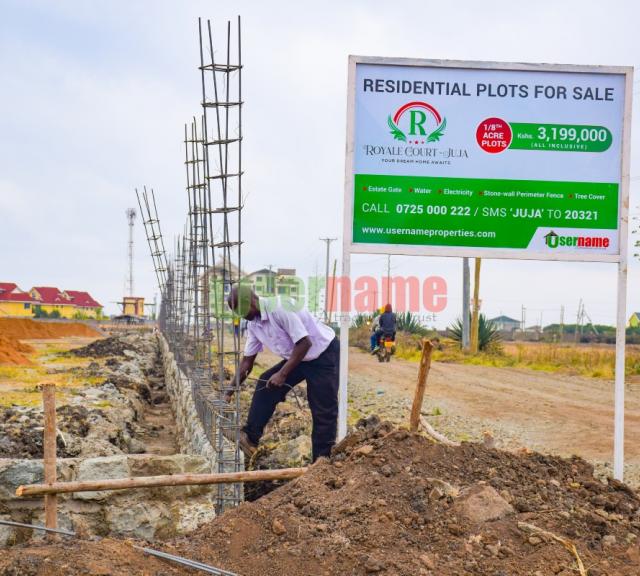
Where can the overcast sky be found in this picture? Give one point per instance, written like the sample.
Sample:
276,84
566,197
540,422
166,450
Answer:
94,96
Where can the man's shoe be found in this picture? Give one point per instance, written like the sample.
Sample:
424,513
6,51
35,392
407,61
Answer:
248,447
375,350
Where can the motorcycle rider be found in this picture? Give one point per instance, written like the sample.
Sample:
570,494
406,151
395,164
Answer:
374,328
387,327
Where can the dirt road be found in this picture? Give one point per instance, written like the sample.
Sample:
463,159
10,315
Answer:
547,412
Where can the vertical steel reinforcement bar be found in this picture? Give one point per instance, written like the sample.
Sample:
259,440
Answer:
222,108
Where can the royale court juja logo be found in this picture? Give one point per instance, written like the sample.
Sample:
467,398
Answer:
417,123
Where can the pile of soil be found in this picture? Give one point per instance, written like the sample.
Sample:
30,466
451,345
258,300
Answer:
25,329
13,351
111,346
393,503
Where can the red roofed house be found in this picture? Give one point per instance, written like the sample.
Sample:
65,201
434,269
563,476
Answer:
15,302
85,305
51,299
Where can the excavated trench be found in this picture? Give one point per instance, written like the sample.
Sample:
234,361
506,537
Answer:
127,412
121,423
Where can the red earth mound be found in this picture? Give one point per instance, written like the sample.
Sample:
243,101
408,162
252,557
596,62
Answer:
393,503
27,329
13,351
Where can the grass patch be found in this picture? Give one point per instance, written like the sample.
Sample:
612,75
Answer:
591,360
22,374
20,398
29,398
103,404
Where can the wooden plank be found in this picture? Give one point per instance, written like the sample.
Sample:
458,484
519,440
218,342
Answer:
50,500
423,372
153,481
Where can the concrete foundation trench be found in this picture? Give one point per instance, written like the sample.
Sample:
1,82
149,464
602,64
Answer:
135,418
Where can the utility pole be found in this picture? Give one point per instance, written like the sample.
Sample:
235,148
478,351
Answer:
540,322
271,285
524,321
561,322
475,320
466,295
578,320
315,291
326,277
131,216
335,263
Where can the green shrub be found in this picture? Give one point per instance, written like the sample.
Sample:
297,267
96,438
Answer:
489,339
38,312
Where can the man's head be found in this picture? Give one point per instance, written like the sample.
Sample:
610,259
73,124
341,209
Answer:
388,308
244,301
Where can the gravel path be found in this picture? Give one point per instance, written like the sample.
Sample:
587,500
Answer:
550,413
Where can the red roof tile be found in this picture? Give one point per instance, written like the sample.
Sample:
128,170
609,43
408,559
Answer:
17,297
10,292
50,295
83,299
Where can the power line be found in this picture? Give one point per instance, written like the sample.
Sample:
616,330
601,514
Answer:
326,277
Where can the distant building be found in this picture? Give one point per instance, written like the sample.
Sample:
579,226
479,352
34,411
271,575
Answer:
282,282
67,303
47,300
133,305
634,321
51,299
84,304
15,302
505,324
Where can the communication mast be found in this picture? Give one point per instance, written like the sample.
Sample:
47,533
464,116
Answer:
131,216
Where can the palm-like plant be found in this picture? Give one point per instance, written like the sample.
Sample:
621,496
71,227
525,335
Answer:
410,323
361,320
489,338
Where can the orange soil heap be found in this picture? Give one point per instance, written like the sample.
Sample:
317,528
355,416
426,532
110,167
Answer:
12,351
24,328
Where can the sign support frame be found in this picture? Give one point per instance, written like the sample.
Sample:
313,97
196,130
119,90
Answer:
621,259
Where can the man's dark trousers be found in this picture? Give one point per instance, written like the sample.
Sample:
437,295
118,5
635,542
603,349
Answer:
323,382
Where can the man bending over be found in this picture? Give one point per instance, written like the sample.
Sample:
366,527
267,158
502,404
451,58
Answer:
310,351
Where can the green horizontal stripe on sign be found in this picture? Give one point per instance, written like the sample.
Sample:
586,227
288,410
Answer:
475,212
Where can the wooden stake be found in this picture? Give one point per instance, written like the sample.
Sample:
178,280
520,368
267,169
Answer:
151,481
50,500
475,319
425,364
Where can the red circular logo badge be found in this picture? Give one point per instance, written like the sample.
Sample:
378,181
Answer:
494,135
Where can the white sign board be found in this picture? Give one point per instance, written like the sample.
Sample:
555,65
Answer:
486,159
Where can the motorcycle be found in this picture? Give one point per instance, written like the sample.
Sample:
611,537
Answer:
386,348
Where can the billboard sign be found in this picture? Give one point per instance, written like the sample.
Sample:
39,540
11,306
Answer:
486,159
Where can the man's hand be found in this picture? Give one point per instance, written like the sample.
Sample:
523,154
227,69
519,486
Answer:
277,380
246,365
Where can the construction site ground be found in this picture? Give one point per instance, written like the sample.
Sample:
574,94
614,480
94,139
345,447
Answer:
50,360
547,412
393,503
390,502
